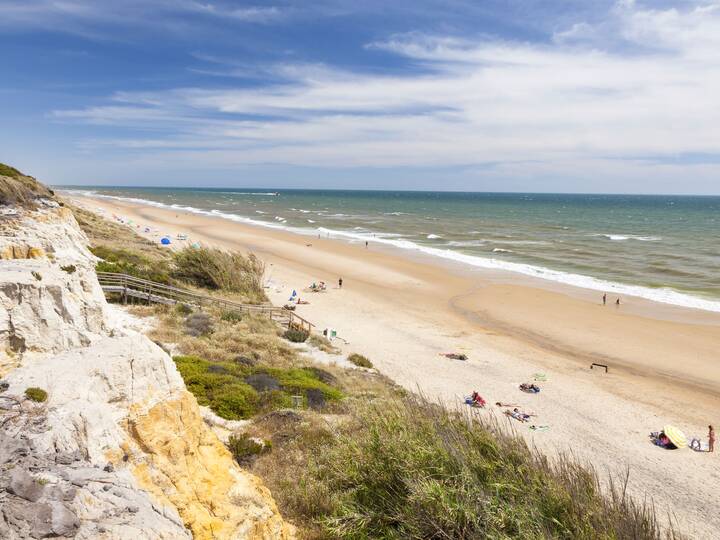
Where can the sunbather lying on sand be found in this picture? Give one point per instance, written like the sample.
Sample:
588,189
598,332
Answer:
517,415
302,301
530,388
454,356
501,404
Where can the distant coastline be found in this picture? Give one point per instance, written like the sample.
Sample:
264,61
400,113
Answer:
663,278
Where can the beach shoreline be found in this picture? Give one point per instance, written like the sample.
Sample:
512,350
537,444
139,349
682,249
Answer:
403,311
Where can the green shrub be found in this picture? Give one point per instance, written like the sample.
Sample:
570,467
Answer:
244,448
236,391
231,316
360,360
36,275
235,401
295,335
70,268
183,309
36,394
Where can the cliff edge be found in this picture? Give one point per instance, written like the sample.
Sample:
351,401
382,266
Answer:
109,444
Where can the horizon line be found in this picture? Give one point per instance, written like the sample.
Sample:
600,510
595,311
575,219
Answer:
361,190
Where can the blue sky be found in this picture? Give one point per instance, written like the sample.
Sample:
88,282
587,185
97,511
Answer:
509,95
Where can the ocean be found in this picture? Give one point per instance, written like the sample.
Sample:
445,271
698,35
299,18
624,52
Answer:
663,248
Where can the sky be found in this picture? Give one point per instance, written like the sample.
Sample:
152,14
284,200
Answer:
495,95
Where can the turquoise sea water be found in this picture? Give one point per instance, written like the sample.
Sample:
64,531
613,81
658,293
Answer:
664,248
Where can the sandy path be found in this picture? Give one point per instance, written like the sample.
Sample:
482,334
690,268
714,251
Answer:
402,313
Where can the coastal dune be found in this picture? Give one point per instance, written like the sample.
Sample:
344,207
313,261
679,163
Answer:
403,312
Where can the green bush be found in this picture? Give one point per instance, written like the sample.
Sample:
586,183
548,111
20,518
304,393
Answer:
36,394
70,268
360,360
236,391
295,335
244,449
36,275
231,316
183,309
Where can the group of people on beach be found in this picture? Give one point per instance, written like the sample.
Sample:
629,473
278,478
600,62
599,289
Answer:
512,410
604,300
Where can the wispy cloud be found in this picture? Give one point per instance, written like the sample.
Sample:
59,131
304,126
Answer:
82,16
571,103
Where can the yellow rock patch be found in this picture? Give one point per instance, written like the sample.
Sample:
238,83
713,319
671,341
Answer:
183,464
21,252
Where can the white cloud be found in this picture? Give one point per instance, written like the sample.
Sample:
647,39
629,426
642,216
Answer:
564,106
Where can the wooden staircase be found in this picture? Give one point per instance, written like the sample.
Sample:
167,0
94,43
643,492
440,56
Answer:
131,287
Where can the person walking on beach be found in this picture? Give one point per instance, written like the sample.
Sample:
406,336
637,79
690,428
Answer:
604,298
366,244
711,439
340,283
617,302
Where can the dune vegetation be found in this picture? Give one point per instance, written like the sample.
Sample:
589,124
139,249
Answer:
237,276
17,189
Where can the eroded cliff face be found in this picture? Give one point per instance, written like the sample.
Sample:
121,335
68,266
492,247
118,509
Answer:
119,449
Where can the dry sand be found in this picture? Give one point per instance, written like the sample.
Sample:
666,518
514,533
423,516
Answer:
402,312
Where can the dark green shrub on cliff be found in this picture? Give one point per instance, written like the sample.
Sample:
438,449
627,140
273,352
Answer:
245,449
296,336
236,391
36,394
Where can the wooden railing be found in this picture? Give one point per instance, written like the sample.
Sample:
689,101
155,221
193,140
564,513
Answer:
131,287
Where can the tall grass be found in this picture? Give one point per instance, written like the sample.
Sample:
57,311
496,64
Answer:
412,469
217,269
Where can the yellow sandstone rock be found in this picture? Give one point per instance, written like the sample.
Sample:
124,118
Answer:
185,465
15,251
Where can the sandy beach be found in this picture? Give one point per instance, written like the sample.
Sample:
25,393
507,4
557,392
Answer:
403,312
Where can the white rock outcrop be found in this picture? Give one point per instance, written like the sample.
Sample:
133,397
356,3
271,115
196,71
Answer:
50,299
119,448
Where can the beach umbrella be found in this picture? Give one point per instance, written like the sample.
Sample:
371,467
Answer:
165,241
676,436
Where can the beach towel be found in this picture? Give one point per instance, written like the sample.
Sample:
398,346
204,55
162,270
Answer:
540,377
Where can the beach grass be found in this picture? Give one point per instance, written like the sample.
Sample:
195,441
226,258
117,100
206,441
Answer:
413,469
216,269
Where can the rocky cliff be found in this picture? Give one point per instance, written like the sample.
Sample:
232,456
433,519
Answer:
119,448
